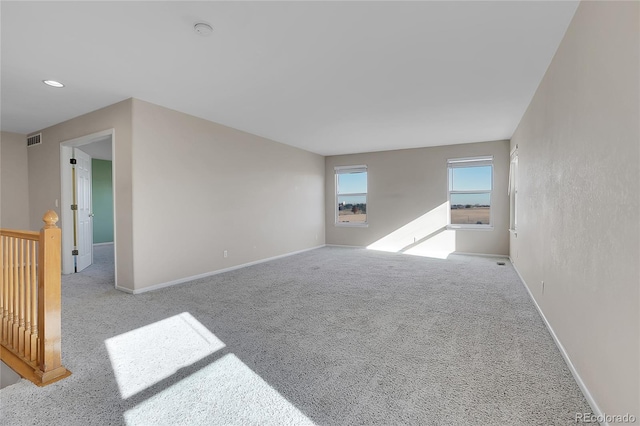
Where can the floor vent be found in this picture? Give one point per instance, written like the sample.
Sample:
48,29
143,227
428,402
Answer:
34,140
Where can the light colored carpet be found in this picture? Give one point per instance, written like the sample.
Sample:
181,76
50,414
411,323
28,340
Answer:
334,336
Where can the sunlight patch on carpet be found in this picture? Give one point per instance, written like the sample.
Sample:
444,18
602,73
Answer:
145,356
439,246
224,392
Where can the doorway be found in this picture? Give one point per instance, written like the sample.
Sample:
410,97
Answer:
87,199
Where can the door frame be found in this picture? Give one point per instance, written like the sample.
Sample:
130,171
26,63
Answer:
66,195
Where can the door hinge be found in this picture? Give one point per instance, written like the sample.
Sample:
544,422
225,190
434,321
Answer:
74,207
74,252
72,161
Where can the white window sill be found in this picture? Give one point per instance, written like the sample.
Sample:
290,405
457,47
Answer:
470,227
351,225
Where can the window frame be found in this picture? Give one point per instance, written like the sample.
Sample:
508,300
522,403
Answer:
513,191
344,170
466,162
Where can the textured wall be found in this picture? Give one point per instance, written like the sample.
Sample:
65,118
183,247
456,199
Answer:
579,190
404,185
14,182
201,188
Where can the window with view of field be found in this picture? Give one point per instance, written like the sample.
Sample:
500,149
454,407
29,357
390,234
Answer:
470,188
351,195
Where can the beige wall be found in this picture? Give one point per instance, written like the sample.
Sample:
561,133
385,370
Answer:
188,189
201,188
578,224
406,188
44,175
14,181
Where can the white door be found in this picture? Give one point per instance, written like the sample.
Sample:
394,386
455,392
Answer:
84,223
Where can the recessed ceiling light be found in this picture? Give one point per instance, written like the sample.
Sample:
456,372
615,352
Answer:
53,83
202,29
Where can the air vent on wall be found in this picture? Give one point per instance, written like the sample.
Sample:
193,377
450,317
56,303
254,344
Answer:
34,140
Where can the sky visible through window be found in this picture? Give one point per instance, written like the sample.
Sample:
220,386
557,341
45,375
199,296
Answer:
470,179
349,183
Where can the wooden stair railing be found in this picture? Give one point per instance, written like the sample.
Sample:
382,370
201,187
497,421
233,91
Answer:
30,295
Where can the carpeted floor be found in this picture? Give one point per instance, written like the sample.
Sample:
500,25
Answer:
334,336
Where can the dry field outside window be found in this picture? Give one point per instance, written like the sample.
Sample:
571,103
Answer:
470,216
347,216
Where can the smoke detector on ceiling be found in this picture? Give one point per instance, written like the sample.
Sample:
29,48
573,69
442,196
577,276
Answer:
203,29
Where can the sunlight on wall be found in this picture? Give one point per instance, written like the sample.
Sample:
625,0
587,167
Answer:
224,392
145,356
424,236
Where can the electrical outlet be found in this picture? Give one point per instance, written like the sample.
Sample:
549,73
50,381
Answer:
225,253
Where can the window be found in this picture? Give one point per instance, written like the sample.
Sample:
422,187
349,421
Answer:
513,189
470,187
351,195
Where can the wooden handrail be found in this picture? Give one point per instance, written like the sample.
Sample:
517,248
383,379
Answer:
30,308
23,235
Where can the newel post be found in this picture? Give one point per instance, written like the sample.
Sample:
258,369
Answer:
49,294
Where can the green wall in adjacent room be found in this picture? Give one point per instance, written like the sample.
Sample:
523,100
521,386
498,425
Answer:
102,202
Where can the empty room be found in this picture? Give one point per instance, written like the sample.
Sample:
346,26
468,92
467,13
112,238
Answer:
320,213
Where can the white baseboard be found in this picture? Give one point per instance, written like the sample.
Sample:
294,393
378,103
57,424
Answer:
208,274
585,391
501,256
103,244
126,290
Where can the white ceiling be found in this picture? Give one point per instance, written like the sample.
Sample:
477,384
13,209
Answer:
99,149
328,77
